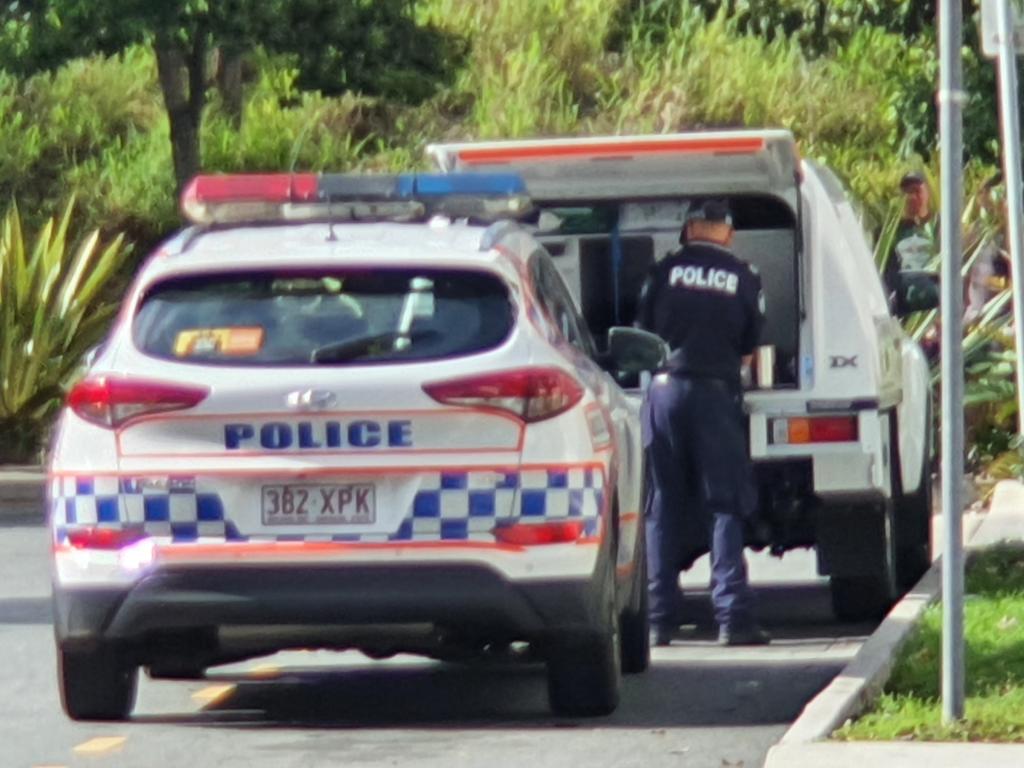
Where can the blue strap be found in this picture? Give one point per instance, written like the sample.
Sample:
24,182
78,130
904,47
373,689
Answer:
616,269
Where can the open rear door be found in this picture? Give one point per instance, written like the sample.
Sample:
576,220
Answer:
620,202
624,167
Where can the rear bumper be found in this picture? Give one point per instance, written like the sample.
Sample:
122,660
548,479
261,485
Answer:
468,599
854,471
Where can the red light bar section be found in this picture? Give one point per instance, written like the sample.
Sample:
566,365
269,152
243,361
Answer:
261,187
541,152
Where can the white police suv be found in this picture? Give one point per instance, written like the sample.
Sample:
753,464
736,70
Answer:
337,413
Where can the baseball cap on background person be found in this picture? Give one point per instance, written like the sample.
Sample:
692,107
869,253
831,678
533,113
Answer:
912,178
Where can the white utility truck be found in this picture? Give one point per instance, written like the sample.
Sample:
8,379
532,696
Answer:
840,419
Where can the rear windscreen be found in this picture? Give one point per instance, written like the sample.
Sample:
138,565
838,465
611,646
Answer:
332,317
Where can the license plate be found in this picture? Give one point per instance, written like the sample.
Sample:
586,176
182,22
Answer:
319,504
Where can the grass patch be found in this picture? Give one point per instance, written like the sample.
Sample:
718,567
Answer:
910,706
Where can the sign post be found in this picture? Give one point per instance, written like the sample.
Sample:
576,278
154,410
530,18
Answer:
951,98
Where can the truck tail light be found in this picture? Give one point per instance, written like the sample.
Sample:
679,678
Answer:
531,394
815,429
110,401
532,534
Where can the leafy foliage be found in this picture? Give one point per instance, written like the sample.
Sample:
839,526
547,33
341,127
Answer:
370,45
52,310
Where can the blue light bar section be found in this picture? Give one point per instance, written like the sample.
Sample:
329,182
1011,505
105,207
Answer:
420,185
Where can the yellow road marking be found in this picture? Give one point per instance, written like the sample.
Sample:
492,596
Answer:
213,694
100,745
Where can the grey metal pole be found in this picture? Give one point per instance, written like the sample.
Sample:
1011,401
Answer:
951,98
1009,114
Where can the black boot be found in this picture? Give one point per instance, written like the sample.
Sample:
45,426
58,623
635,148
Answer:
750,634
661,637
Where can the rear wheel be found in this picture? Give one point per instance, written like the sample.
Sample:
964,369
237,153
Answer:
913,518
859,548
98,684
860,598
634,623
585,673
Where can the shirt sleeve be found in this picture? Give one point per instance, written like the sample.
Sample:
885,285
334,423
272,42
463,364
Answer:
755,311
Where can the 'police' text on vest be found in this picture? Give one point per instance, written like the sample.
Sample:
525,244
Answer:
703,279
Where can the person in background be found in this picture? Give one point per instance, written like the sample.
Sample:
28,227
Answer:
914,242
708,306
989,275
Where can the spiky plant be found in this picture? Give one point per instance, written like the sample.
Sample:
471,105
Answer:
52,310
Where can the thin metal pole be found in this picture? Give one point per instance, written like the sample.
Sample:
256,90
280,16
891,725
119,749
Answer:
951,98
1009,114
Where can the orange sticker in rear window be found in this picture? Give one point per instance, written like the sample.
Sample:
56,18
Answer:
234,342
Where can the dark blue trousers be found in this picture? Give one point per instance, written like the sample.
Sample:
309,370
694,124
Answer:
700,493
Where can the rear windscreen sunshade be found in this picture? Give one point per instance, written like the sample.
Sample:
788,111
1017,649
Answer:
324,317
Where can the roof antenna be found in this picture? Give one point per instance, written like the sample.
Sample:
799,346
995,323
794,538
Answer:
297,146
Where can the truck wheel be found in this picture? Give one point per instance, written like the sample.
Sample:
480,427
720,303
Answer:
860,549
913,519
634,622
860,598
585,674
97,684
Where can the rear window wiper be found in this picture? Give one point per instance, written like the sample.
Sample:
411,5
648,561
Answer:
352,349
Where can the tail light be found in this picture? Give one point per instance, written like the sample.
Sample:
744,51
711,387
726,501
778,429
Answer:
817,429
532,394
94,537
110,401
530,534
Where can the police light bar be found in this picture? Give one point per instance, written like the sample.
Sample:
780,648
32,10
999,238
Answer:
259,198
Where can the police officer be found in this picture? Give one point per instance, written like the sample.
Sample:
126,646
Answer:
708,306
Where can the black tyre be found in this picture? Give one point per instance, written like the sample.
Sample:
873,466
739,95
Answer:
585,673
913,519
634,623
97,684
868,590
861,598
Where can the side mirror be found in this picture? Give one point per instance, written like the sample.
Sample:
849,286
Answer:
90,356
916,291
631,350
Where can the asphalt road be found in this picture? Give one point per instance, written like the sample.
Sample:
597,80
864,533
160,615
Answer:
699,705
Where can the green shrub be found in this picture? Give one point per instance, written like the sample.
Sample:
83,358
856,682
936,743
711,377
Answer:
53,122
284,128
52,310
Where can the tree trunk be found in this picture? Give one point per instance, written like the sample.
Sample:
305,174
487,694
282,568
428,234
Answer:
184,90
229,83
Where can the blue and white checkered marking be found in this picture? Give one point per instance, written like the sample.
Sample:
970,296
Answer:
448,506
169,506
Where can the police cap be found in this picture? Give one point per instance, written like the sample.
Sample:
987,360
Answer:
709,209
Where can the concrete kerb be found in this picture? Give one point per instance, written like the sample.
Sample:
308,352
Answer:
21,493
863,678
